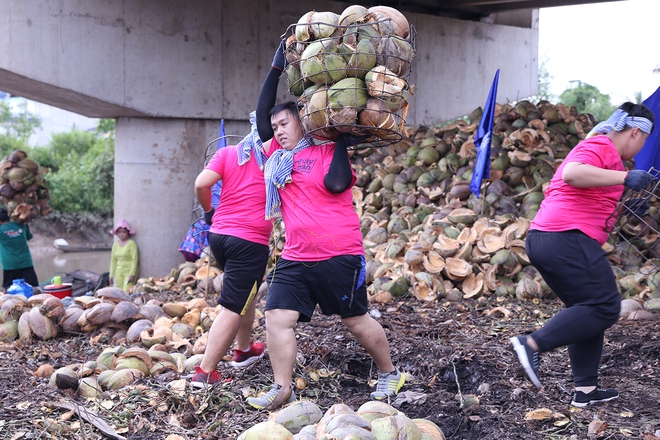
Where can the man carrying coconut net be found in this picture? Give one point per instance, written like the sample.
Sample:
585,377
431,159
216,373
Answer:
323,258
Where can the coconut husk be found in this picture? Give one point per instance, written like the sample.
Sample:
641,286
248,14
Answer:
457,269
446,247
124,311
86,302
112,294
207,272
473,285
197,303
52,308
175,310
134,331
100,313
42,326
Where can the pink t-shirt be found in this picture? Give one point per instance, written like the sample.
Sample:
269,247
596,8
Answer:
566,207
319,224
240,212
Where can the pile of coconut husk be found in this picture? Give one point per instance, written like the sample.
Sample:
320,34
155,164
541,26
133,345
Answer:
117,367
23,188
428,235
146,335
304,420
349,72
116,316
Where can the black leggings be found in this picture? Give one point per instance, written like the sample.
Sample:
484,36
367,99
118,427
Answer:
577,270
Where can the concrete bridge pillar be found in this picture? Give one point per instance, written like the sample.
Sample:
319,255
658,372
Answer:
156,161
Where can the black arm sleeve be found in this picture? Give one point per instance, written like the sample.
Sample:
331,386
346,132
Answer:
340,174
265,102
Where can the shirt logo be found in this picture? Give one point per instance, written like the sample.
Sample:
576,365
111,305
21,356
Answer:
303,165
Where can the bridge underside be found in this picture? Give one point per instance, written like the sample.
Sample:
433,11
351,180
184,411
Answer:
477,9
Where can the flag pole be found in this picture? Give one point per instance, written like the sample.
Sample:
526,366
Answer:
483,198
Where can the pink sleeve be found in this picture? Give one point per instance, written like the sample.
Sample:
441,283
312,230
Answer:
596,154
217,162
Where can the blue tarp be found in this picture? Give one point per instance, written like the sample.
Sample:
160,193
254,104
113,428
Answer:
649,156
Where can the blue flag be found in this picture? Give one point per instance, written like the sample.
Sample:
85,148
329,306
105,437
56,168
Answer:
217,188
482,139
649,156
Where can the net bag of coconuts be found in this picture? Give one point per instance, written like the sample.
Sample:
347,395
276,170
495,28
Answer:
23,188
349,73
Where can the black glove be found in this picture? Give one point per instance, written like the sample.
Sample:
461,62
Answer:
208,216
352,139
636,206
279,60
637,179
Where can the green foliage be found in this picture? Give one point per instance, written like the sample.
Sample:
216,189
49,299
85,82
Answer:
106,127
62,146
84,183
80,164
81,170
16,128
588,99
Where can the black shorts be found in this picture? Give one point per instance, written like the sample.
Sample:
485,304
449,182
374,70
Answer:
27,274
244,264
336,285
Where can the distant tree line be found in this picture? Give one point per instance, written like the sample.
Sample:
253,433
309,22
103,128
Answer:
79,165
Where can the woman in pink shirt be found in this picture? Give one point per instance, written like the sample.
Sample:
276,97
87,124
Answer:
564,245
238,238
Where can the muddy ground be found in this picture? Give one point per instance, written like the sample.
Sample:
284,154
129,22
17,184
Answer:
448,350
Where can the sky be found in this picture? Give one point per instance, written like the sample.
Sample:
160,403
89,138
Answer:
613,46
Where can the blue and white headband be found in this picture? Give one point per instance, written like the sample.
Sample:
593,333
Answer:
619,120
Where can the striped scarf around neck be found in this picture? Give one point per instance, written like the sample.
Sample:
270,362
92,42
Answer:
277,174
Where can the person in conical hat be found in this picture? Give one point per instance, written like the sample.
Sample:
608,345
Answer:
124,257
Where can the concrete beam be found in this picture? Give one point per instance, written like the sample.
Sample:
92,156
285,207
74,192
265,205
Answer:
200,59
50,94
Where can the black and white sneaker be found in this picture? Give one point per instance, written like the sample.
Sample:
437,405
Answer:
528,357
598,395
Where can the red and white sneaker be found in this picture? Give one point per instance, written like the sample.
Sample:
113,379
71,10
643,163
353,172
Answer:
201,379
248,357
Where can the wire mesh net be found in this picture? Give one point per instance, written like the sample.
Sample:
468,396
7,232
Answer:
351,79
636,229
195,243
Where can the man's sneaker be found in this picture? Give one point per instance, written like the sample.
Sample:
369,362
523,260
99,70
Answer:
581,399
266,400
250,356
388,385
528,357
201,379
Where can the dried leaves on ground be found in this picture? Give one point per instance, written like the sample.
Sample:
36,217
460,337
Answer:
460,374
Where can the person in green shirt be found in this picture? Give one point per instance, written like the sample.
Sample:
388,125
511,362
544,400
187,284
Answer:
14,252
